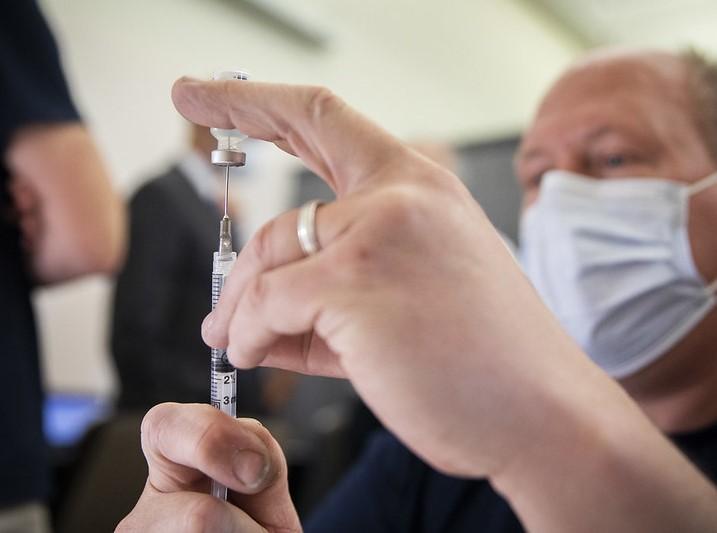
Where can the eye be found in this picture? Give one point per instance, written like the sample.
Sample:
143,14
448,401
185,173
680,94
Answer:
616,160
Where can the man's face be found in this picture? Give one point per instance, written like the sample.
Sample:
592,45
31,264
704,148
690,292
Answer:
625,116
631,116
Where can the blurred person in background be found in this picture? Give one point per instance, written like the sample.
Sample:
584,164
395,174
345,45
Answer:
442,336
59,219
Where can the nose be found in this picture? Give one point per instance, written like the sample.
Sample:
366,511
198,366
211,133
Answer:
571,162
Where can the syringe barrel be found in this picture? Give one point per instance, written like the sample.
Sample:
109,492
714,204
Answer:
222,373
221,268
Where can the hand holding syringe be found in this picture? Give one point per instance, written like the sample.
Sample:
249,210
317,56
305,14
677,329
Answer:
223,374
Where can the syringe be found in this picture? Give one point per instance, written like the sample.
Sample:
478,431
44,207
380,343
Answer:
223,375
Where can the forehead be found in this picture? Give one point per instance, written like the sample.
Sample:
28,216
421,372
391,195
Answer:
630,95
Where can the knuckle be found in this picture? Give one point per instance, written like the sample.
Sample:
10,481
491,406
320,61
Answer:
151,424
256,292
321,102
257,428
401,207
398,214
261,244
360,261
215,436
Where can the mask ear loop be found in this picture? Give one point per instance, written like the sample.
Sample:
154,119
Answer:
704,183
712,287
698,187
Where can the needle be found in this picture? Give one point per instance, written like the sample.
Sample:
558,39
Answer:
226,189
225,227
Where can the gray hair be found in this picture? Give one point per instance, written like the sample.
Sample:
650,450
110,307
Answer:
702,85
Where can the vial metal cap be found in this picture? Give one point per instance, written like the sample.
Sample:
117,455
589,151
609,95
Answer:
228,158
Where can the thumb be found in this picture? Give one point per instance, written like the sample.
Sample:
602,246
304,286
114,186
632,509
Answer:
186,444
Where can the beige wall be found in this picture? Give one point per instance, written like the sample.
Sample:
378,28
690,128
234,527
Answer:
455,69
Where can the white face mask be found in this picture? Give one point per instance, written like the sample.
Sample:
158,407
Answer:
612,260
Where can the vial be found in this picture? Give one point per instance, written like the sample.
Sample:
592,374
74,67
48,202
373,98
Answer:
227,153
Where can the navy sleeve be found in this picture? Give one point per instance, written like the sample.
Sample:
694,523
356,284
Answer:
32,90
392,490
379,494
32,86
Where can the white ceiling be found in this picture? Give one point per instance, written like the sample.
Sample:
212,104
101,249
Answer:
661,23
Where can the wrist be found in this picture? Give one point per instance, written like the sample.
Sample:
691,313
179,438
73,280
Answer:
604,467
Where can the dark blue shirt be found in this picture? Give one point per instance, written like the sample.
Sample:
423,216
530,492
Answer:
392,490
32,91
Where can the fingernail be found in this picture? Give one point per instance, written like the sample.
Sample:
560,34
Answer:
251,468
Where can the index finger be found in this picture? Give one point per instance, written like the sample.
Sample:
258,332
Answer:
339,144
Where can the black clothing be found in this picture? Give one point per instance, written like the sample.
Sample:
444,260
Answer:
392,490
32,91
162,296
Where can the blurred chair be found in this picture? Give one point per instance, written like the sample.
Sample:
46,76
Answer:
108,479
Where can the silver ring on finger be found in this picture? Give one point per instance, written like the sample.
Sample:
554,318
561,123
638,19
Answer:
306,227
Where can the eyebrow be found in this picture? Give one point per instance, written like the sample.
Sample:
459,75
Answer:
535,152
